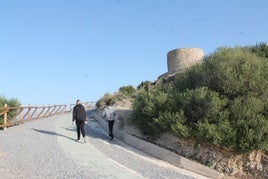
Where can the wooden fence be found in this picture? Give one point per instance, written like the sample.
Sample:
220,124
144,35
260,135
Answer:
10,116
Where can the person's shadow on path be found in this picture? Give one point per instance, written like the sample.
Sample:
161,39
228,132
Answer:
53,133
69,129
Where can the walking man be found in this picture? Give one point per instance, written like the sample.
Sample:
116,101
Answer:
108,114
79,117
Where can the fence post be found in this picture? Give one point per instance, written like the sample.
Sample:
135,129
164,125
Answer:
20,116
5,118
29,109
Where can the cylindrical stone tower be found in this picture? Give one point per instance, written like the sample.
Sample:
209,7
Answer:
182,58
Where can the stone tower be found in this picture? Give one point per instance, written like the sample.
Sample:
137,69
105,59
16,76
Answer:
182,58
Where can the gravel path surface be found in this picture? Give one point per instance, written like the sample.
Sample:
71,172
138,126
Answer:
47,149
29,152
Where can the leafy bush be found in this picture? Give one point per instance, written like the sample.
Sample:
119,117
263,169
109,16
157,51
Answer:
221,101
127,90
174,121
10,103
146,108
261,49
202,104
146,85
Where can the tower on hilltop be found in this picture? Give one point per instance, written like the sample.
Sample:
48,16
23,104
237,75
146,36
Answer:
182,58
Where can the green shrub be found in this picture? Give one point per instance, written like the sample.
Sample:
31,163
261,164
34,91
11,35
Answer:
192,78
236,72
146,108
202,104
127,90
174,121
252,134
179,126
222,133
146,85
222,101
205,115
10,103
261,49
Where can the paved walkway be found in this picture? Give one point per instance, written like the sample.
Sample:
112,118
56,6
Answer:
87,154
47,148
110,157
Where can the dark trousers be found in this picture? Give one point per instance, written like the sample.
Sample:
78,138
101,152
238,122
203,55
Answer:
80,127
111,125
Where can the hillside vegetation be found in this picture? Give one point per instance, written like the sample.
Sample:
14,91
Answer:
222,101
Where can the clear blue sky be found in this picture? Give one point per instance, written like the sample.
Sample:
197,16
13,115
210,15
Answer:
57,51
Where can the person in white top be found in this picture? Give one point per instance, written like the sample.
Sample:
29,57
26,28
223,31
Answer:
109,115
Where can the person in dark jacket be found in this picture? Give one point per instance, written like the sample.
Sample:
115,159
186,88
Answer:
79,117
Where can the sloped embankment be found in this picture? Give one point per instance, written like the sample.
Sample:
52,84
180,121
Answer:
252,165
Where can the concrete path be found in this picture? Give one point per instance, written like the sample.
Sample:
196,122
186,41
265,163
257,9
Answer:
47,148
87,154
110,158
